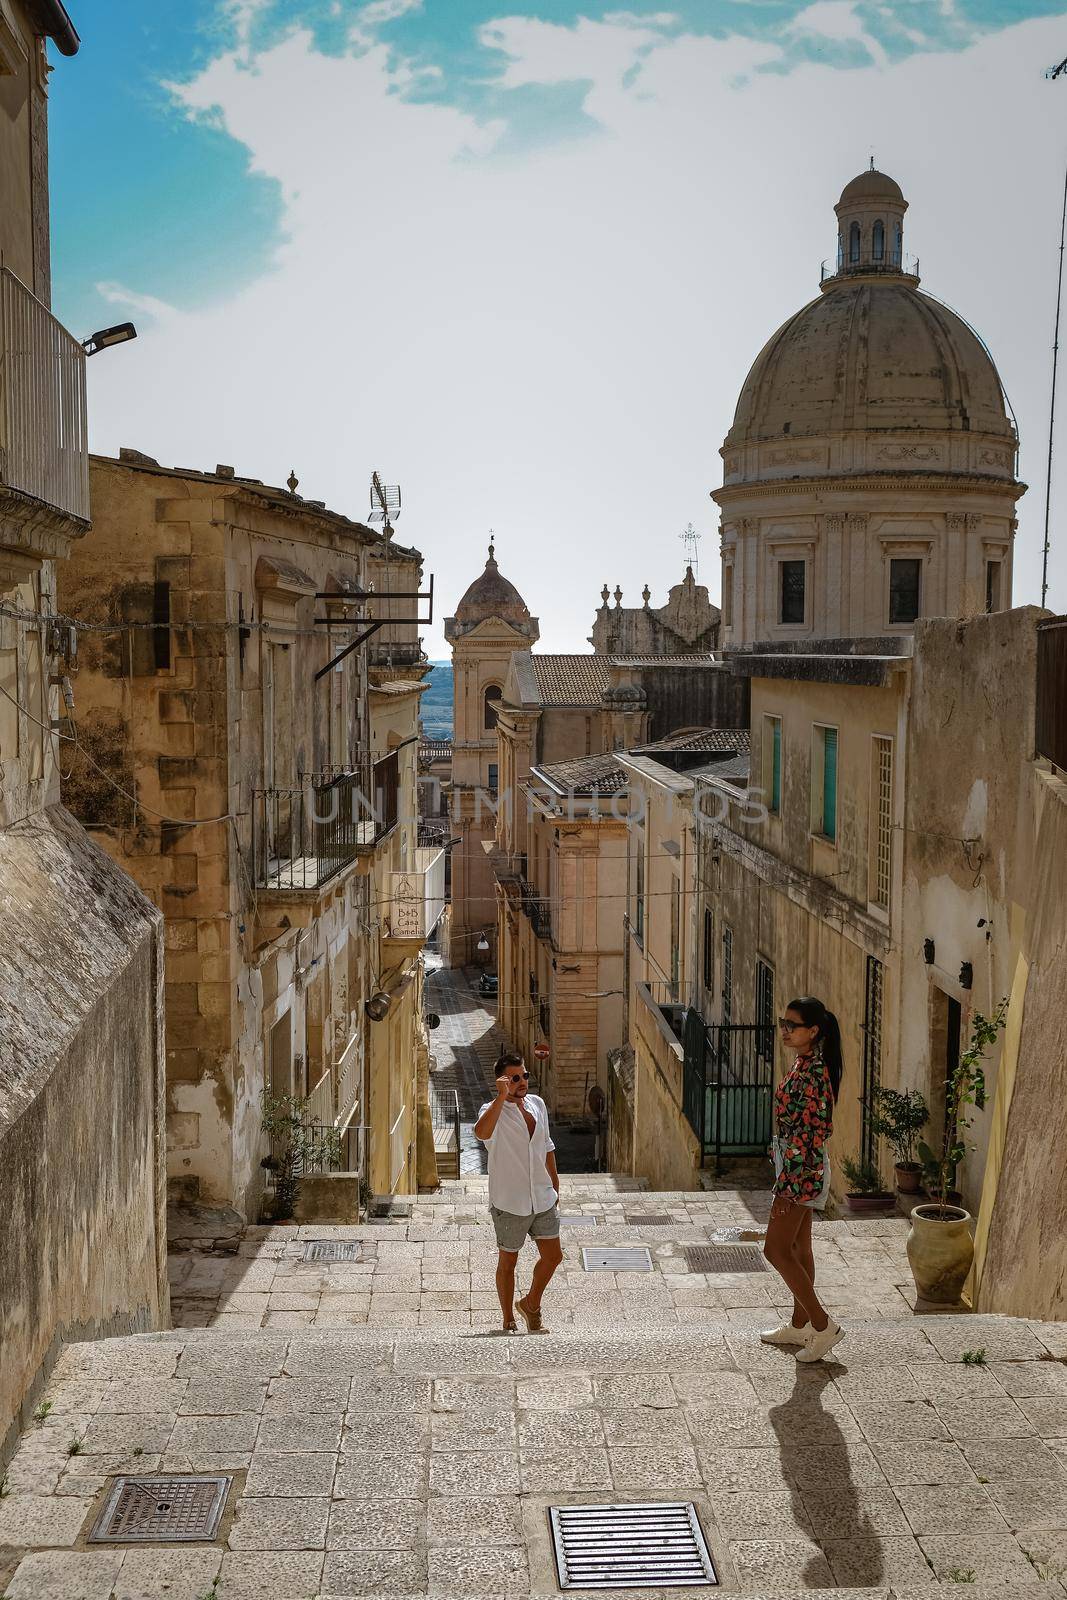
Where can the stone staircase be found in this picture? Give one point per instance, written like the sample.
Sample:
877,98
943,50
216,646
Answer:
384,1440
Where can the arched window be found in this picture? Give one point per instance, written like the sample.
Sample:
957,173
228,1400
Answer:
854,242
492,695
898,245
878,243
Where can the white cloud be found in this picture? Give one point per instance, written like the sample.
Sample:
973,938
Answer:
117,294
552,342
838,22
379,11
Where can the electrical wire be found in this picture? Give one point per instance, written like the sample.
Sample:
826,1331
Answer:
80,750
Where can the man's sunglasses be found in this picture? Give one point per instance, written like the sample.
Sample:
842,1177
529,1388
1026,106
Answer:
517,1077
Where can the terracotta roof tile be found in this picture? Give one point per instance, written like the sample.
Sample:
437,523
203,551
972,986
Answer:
571,680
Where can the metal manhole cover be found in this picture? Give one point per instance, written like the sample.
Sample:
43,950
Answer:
161,1510
647,1219
333,1250
623,1258
575,1219
647,1545
724,1258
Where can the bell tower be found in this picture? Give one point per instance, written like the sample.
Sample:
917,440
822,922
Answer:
491,622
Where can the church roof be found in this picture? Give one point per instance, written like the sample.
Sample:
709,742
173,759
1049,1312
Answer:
871,185
571,680
872,353
492,595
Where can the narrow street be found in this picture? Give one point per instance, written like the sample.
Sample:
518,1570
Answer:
462,1051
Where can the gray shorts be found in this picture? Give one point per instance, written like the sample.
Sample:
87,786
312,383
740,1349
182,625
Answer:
512,1232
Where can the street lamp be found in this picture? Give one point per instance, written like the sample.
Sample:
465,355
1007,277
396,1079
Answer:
104,338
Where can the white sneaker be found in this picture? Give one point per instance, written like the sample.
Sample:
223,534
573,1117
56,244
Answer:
787,1334
819,1344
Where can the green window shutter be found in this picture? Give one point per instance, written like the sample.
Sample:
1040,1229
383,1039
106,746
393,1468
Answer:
776,769
829,783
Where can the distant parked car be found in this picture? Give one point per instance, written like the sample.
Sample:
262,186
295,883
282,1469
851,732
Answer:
487,984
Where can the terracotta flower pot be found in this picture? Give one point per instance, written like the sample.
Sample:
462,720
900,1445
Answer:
867,1205
908,1174
940,1251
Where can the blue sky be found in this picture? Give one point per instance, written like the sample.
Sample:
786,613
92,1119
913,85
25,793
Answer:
519,258
141,193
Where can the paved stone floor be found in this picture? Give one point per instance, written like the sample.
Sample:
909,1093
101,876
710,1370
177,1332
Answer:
379,1459
437,1269
383,1439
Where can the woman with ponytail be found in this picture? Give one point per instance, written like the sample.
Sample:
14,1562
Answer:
804,1118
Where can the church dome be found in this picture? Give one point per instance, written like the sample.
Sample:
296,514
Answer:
871,185
491,595
873,353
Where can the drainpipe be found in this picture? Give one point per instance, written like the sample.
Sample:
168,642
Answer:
53,22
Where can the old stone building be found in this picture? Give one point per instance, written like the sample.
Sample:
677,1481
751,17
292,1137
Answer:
81,1029
869,473
879,849
266,802
687,625
491,622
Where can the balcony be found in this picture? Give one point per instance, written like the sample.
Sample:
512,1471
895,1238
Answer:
1050,734
304,836
44,443
417,899
394,652
893,265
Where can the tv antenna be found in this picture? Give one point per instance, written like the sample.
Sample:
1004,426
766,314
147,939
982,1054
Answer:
691,539
384,503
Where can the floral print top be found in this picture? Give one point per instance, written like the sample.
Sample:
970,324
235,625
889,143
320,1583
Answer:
804,1119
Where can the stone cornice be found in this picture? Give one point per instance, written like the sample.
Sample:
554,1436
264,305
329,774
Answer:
868,482
32,532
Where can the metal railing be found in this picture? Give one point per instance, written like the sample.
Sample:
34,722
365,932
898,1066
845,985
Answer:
394,652
326,1148
303,836
1050,730
44,439
728,1085
896,264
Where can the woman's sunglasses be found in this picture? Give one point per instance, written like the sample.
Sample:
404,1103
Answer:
787,1026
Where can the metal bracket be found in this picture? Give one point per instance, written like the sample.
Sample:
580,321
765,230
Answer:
370,625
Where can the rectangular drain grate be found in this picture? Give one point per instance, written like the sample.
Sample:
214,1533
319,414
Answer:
163,1510
647,1219
333,1250
647,1545
623,1258
575,1219
724,1258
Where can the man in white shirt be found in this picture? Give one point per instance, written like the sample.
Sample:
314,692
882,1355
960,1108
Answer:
523,1187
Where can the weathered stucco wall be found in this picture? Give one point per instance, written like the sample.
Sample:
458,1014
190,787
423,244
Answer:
1021,1266
968,842
82,1189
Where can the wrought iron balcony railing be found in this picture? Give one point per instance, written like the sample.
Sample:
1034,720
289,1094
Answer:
305,835
44,439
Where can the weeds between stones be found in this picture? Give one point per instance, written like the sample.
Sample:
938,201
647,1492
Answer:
42,1410
974,1358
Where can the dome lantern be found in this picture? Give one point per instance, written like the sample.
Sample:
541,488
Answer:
870,229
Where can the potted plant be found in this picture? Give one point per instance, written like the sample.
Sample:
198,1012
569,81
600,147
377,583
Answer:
867,1194
899,1116
940,1247
298,1145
